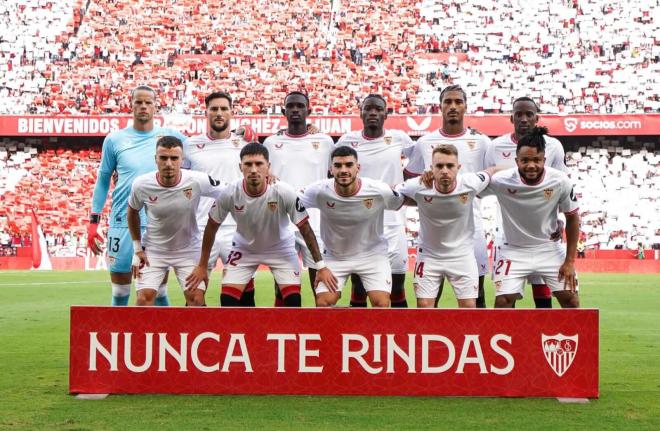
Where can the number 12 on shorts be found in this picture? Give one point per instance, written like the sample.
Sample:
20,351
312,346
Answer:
233,257
499,265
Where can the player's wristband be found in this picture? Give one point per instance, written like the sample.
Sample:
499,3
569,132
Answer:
94,218
137,246
320,265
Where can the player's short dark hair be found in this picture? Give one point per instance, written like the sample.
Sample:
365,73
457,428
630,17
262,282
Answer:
254,148
525,99
169,142
296,93
218,95
142,88
453,88
447,149
533,138
373,96
343,151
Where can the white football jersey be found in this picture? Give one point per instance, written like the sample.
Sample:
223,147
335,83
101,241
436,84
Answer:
530,210
352,226
219,158
262,222
446,219
380,159
300,161
171,222
502,152
471,146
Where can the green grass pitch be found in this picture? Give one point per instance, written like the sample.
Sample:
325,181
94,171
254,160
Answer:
34,372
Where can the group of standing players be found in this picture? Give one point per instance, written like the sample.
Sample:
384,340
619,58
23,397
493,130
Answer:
337,207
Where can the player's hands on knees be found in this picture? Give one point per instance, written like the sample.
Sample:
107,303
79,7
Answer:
427,179
198,275
139,261
328,278
567,274
559,233
94,238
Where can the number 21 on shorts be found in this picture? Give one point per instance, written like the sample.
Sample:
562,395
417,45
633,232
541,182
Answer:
507,266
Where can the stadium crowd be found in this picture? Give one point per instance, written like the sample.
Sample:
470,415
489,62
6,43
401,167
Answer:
75,57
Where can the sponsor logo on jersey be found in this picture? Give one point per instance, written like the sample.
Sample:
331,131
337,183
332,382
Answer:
200,146
369,202
153,198
330,204
279,146
512,191
354,144
188,193
560,351
428,199
239,208
296,273
316,144
506,155
388,140
463,197
272,206
547,193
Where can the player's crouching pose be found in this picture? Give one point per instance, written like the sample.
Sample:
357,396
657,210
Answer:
446,213
352,211
262,212
171,196
530,196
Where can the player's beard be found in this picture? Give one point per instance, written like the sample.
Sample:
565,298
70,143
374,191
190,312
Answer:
220,129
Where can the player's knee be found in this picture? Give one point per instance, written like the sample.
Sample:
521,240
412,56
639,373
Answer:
146,297
467,303
325,300
568,299
504,301
425,303
379,300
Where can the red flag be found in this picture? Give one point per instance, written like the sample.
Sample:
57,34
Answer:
36,248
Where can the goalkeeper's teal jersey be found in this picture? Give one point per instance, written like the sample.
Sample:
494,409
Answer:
131,153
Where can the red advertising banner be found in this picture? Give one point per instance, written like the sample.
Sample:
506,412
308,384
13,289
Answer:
343,351
264,125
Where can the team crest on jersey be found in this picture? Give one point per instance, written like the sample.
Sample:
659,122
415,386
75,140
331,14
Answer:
272,206
388,140
547,193
200,146
463,197
239,208
330,204
188,193
316,144
471,144
153,198
512,191
506,155
559,351
235,142
278,146
369,202
428,199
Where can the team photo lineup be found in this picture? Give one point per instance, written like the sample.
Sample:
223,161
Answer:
301,200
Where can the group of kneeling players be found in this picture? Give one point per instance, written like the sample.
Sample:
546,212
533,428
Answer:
337,207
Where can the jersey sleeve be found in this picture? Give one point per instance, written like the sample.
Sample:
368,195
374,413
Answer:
489,158
486,144
559,158
107,168
293,204
135,200
568,202
415,164
478,181
409,188
341,141
393,199
186,151
407,144
309,195
220,207
210,187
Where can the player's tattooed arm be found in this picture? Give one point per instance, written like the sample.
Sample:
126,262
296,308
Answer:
200,272
567,269
323,273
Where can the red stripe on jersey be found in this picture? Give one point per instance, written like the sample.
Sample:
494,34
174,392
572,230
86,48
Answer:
301,222
513,138
449,135
290,135
251,195
290,289
575,211
372,139
412,174
232,291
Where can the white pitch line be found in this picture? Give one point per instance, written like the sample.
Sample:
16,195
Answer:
52,283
